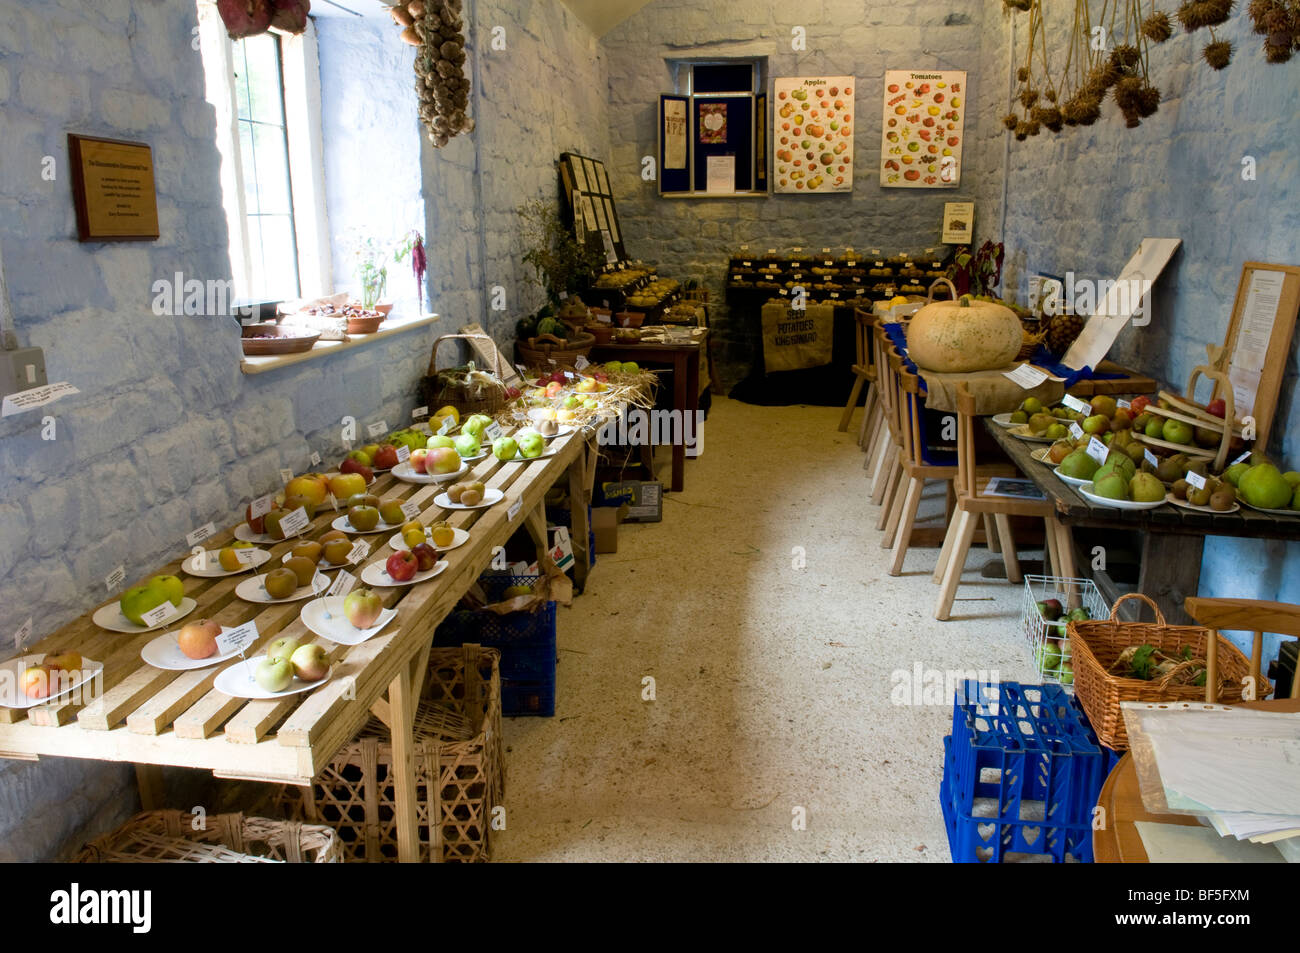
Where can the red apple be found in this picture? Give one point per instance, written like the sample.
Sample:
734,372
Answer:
426,557
310,662
386,458
36,681
63,661
256,524
355,466
1217,408
198,640
363,607
402,565
1139,404
417,460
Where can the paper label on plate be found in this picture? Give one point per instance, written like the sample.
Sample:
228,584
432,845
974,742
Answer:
115,578
359,551
343,584
1123,405
1195,479
199,559
523,371
581,363
200,534
411,510
246,556
514,510
334,502
1026,375
23,634
1097,450
448,423
159,614
1075,430
238,639
377,429
315,459
1076,405
285,475
320,582
492,432
1243,458
419,412
1150,458
263,504
403,453
294,523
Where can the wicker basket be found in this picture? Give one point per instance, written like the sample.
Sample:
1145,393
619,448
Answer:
457,738
1097,643
169,837
438,389
545,349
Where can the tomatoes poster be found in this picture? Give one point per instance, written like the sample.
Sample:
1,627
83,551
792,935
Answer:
923,129
812,134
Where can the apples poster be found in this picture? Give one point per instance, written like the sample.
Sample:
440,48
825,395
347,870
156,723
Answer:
812,130
923,129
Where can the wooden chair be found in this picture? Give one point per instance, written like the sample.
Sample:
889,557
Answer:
972,504
888,468
864,371
1245,615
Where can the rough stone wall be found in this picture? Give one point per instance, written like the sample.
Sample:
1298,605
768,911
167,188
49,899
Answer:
166,433
539,89
693,238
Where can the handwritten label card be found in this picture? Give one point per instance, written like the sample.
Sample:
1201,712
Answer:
1076,405
1195,479
343,583
411,510
1097,450
159,614
403,453
115,578
262,505
294,523
1026,375
238,639
1075,430
200,534
377,429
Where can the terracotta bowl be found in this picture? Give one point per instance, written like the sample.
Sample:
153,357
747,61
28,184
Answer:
629,319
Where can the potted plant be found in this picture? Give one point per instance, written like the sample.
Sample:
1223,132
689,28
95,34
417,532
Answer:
372,258
562,266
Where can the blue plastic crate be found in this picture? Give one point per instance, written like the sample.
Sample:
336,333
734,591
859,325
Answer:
523,697
976,840
1029,748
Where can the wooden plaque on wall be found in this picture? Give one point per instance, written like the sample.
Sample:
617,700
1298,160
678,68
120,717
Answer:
113,189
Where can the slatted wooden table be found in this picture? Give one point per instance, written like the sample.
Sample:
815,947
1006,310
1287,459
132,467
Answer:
1173,538
154,718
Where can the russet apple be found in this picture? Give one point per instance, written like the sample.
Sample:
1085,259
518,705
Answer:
362,499
274,675
401,565
280,583
344,485
426,557
362,607
198,640
336,551
309,549
363,518
310,662
306,503
390,511
304,569
332,535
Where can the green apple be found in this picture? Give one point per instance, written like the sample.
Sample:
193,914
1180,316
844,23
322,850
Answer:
505,448
441,440
530,443
572,401
591,403
172,588
467,445
136,602
631,367
274,675
475,426
281,648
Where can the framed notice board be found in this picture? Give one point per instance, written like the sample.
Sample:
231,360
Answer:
113,189
590,195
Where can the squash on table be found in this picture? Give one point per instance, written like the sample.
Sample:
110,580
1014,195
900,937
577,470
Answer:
964,335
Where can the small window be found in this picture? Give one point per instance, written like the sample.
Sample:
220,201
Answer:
713,130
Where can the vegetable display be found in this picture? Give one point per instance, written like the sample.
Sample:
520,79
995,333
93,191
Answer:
964,335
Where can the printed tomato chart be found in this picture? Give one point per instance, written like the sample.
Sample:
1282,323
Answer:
812,133
923,129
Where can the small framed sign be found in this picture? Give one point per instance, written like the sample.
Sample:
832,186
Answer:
113,189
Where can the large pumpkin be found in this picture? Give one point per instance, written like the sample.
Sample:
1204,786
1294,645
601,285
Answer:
964,335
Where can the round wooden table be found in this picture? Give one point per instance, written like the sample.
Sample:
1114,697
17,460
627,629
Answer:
1119,842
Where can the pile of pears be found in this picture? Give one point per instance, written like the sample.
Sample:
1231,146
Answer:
1262,484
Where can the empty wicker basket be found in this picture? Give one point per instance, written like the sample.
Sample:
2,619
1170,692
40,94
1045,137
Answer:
171,837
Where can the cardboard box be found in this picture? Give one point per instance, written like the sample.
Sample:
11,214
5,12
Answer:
644,499
604,523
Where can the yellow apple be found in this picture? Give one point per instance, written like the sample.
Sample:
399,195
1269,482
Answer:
344,485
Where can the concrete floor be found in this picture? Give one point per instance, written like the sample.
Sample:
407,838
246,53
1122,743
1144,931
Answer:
773,684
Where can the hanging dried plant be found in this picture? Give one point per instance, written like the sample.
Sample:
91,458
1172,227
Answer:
1028,98
1022,131
1277,48
1022,75
1148,100
1279,23
1125,56
1218,54
1009,121
1157,27
1017,4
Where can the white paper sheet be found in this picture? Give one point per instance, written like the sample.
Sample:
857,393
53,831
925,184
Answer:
1179,844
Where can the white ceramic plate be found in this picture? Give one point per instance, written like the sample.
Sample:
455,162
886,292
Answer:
1073,481
481,455
541,413
11,673
164,652
490,498
1004,420
342,523
548,452
325,617
1022,431
252,590
323,564
1274,512
1170,498
244,533
564,429
1086,492
110,617
461,538
238,682
376,575
1041,456
404,473
214,569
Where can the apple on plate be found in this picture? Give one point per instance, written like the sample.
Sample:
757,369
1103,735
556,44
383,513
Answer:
386,458
37,681
313,486
530,443
363,518
505,448
442,534
467,445
310,662
274,675
362,499
441,440
63,661
282,647
362,607
390,511
280,583
417,461
198,640
336,551
426,557
587,386
138,600
344,485
475,425
170,586
360,458
402,565
443,460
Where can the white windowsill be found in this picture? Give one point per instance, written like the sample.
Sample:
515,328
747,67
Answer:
260,365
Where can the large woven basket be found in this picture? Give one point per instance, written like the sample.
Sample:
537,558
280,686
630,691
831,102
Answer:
438,389
545,349
171,837
457,739
1097,643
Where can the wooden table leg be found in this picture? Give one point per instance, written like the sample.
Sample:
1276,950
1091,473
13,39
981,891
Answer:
149,779
681,401
580,528
1171,571
403,768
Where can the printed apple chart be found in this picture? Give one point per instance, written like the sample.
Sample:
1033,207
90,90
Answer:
812,134
240,681
923,129
328,618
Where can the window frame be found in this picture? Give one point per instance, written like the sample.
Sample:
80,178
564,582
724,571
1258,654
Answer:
683,75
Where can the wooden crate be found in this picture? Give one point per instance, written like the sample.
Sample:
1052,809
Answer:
170,837
457,739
